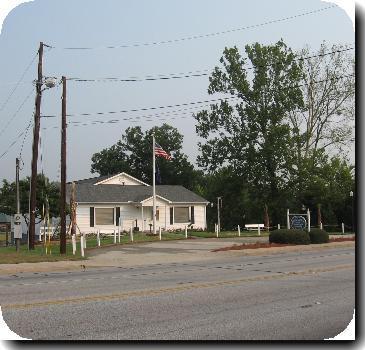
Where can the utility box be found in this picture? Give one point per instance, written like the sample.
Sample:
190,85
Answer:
18,232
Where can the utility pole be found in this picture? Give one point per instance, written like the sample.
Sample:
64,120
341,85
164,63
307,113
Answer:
63,171
37,118
73,209
17,223
219,205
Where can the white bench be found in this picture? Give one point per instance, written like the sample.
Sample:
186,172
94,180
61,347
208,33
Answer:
46,230
252,227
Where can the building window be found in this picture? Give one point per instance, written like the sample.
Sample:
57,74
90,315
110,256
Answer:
104,216
181,215
157,214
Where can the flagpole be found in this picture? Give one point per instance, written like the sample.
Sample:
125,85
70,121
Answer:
154,185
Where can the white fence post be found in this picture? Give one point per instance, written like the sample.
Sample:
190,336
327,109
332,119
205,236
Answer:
309,220
321,226
217,230
186,232
98,237
159,232
82,245
73,237
278,226
131,233
119,230
239,231
343,228
287,220
258,229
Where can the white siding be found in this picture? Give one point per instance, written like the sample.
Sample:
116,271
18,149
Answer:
149,202
129,213
120,179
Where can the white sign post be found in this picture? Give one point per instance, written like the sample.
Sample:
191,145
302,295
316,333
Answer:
239,231
186,232
119,230
73,238
82,245
131,233
98,237
159,232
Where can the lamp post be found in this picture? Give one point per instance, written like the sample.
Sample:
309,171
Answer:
352,211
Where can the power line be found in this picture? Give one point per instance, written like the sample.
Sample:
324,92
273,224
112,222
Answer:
17,111
190,74
14,142
202,35
186,104
175,114
18,83
142,109
26,134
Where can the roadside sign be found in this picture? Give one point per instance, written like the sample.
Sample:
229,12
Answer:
18,231
17,219
298,222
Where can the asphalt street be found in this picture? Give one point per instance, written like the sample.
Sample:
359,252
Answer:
302,295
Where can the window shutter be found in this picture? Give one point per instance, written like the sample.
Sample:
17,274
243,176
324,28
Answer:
171,216
192,215
117,215
91,216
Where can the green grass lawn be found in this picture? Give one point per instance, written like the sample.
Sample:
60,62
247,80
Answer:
8,255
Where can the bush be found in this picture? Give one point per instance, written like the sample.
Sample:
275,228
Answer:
318,236
289,236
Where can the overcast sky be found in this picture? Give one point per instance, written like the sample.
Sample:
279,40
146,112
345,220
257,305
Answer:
98,24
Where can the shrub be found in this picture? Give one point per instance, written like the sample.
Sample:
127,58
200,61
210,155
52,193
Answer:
318,236
289,236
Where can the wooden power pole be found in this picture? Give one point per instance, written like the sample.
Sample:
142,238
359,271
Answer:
37,118
63,171
73,209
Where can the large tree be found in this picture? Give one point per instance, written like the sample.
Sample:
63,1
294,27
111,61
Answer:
133,154
325,125
252,135
45,188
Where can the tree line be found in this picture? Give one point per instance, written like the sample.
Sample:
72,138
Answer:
283,142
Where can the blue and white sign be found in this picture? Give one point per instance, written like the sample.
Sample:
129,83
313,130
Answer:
298,222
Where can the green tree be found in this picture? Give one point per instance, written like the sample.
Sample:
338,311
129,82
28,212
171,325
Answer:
45,188
326,123
133,154
329,185
253,135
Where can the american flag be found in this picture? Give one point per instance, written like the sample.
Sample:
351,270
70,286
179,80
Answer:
159,152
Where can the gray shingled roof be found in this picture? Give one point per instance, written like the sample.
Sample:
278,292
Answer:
86,192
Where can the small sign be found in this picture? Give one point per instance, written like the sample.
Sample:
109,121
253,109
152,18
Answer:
17,219
18,231
298,222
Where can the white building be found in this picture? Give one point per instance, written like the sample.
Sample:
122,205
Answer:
102,201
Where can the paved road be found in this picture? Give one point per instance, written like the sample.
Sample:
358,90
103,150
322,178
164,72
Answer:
294,295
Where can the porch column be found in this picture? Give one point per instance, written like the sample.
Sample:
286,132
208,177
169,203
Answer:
142,217
165,217
205,217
